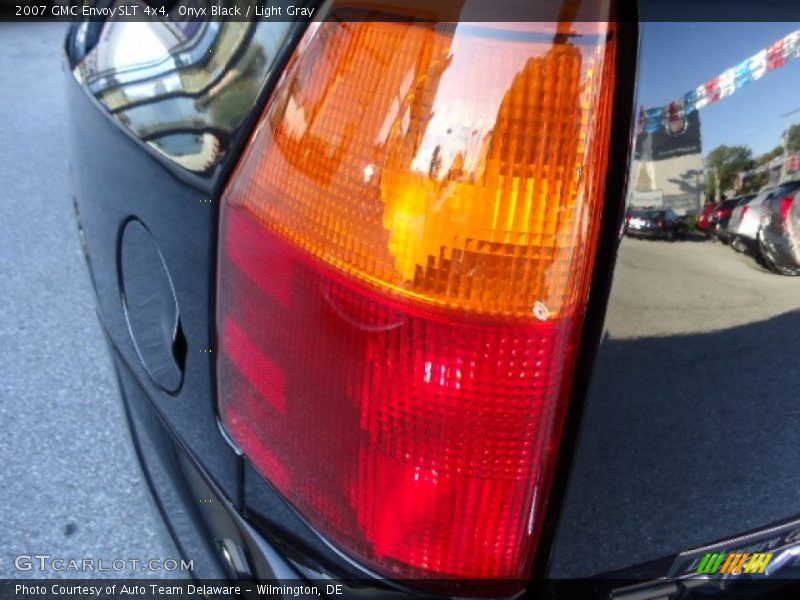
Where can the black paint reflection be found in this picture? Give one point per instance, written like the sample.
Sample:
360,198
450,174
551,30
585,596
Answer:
183,88
691,431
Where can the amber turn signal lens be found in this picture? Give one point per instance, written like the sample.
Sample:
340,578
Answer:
458,165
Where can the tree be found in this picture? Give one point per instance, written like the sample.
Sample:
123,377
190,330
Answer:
769,156
726,162
756,182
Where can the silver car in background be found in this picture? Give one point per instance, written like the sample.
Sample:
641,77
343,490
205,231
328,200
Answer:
779,234
746,220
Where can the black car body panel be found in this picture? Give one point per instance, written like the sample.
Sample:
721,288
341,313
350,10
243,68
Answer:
157,215
148,175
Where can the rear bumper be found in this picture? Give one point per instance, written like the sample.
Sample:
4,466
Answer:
647,233
783,249
749,243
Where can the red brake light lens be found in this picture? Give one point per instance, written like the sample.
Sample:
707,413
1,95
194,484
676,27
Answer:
407,247
786,208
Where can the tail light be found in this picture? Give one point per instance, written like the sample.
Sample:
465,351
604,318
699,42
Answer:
661,222
786,208
744,212
407,246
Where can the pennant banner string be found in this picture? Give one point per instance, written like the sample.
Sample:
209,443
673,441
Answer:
724,85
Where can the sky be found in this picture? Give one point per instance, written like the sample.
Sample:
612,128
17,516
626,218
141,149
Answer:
677,57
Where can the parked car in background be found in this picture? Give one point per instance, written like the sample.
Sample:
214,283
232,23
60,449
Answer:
719,219
745,221
654,223
779,235
703,220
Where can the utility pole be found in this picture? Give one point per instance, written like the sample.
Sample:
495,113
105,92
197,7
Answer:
711,174
786,142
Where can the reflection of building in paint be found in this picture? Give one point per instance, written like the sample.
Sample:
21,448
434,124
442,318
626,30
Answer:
181,87
667,169
467,143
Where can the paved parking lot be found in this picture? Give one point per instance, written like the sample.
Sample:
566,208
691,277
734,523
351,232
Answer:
694,286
